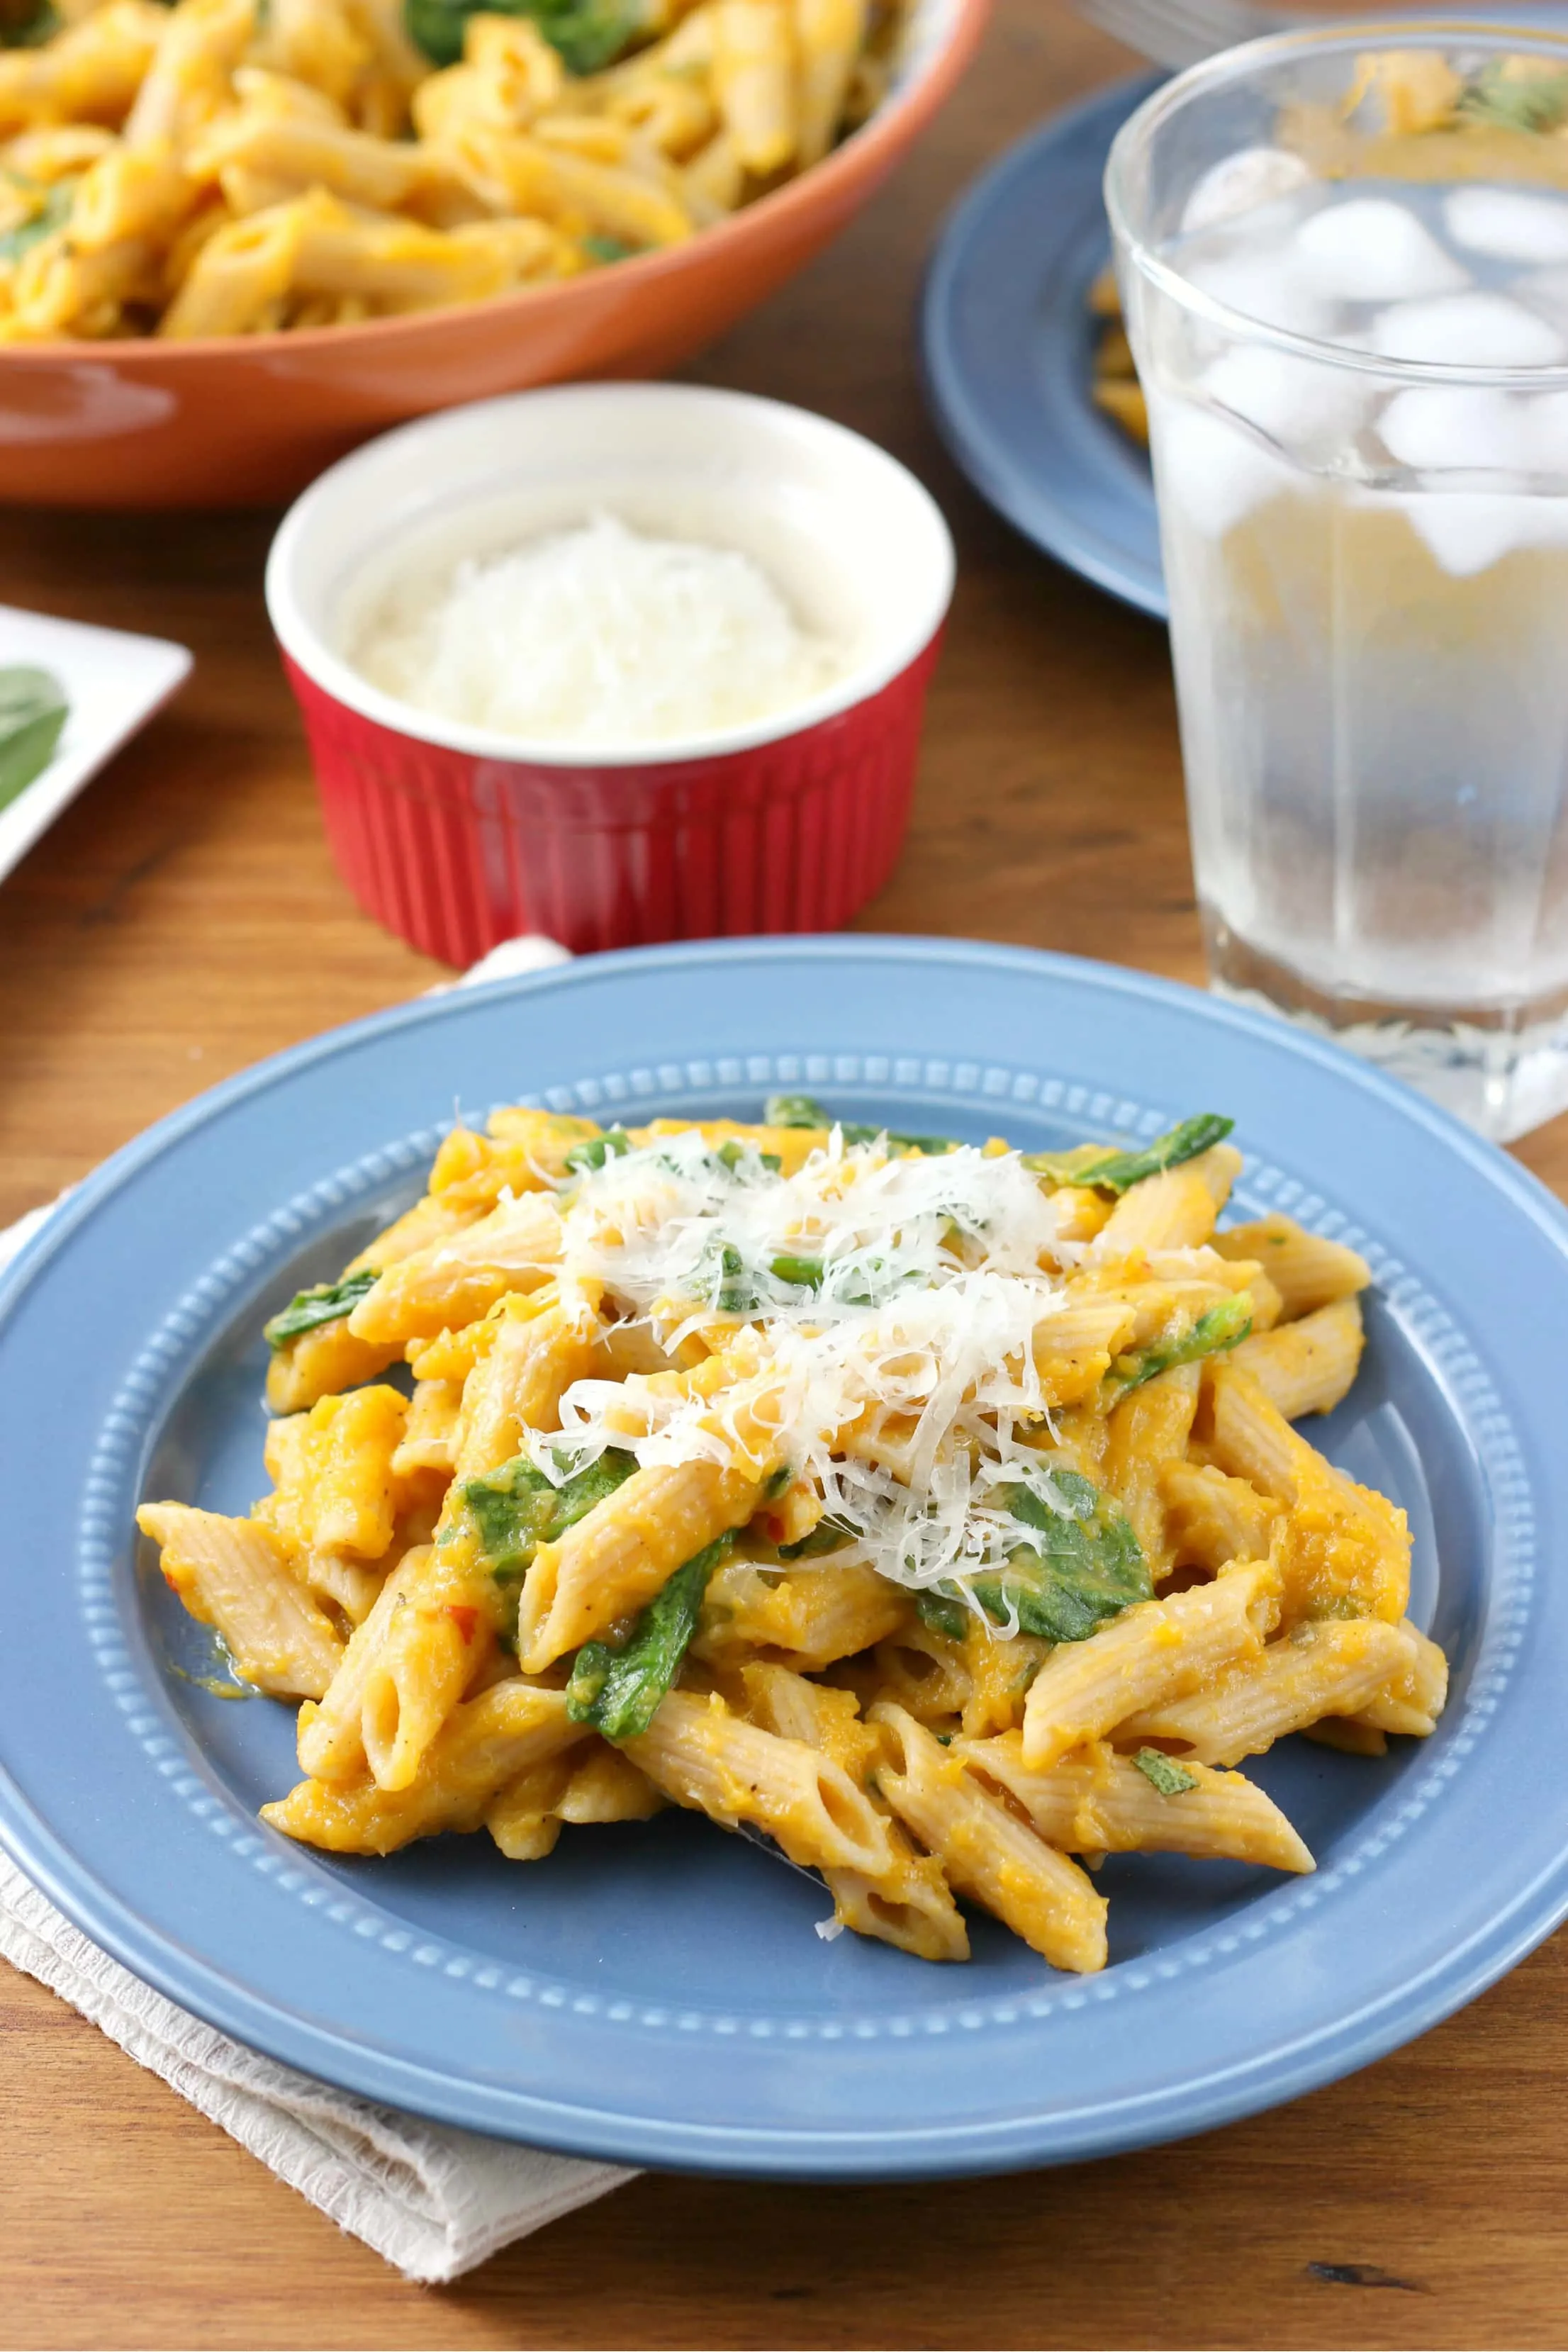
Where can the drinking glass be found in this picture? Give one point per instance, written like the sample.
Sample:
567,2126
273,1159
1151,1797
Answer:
1343,258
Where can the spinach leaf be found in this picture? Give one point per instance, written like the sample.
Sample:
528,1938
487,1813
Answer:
27,24
806,1273
324,1304
1225,1325
724,1280
795,1110
804,1110
619,1690
605,250
1118,1171
1083,1564
614,1144
586,34
514,1509
1516,101
944,1613
1171,1779
33,712
52,210
731,1153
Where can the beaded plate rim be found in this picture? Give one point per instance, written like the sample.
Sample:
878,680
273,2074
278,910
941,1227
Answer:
168,1358
1263,2058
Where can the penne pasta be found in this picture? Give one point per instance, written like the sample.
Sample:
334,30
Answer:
1098,1801
986,1850
1150,1655
231,1575
931,1511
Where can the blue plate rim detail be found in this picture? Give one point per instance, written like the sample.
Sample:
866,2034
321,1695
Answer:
1533,1909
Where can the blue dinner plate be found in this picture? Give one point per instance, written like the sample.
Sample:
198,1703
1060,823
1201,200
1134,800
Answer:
1007,348
656,1992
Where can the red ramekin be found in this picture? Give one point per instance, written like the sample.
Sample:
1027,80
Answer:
457,838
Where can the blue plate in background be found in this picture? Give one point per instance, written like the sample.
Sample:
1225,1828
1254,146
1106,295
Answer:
1007,345
654,1992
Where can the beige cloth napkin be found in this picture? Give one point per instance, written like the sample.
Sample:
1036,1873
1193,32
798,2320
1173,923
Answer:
431,2199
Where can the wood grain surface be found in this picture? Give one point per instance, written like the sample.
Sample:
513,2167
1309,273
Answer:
182,919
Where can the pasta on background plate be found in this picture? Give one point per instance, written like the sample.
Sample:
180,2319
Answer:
226,167
936,1512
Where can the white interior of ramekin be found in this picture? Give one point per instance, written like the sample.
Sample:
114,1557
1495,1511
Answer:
857,545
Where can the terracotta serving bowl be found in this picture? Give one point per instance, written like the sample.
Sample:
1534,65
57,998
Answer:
248,419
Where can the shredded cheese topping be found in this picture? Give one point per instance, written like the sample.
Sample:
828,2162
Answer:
890,1300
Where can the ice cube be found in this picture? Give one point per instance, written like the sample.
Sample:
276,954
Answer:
1508,225
1212,471
1543,433
1547,290
1444,428
1262,285
1475,330
1468,532
1252,176
1369,249
1293,401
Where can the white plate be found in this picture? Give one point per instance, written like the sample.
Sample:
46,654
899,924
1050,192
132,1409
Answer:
113,683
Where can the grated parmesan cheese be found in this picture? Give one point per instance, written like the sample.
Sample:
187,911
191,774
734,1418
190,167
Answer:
598,635
935,1274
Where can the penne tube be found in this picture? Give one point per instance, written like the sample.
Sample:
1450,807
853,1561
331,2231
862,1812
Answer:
515,172
1308,1271
89,73
1337,1545
927,1673
134,193
829,37
1334,1668
1307,1366
1074,1345
710,1760
1100,1802
1157,1651
1412,1701
231,1575
522,1817
57,292
1148,1430
542,1344
332,1734
428,1444
300,151
1212,1518
803,1617
317,45
236,286
334,1488
624,1551
1175,1210
986,1850
510,1729
462,1275
909,1904
187,81
753,80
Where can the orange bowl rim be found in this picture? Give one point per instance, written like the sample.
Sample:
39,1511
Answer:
895,123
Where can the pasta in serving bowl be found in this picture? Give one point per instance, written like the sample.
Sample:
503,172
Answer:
934,1511
240,222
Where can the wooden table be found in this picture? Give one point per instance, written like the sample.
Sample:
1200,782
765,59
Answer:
182,919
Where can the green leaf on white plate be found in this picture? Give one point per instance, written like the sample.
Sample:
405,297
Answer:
33,711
